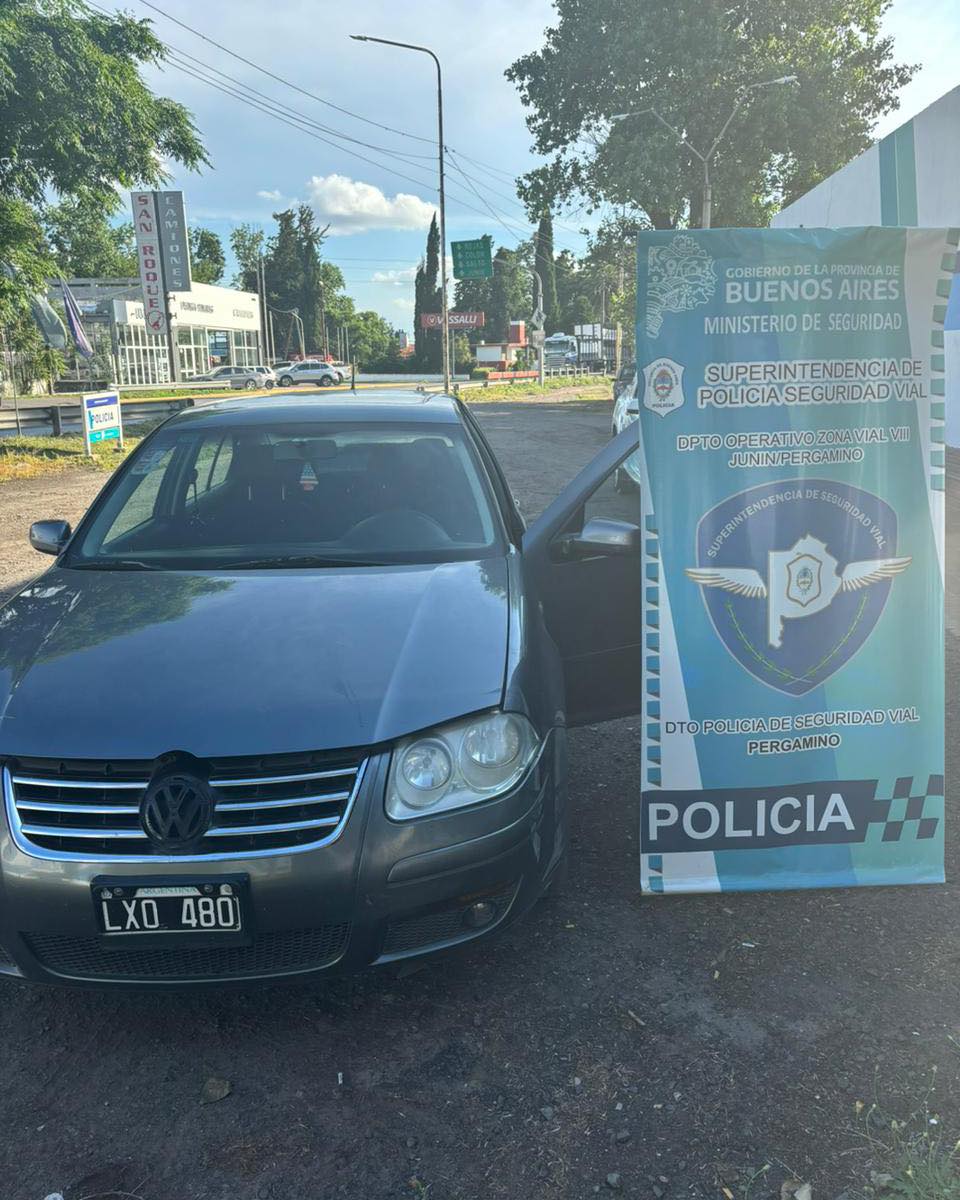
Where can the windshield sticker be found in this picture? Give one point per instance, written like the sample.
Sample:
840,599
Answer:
308,477
149,461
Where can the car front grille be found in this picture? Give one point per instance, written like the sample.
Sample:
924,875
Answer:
90,810
285,952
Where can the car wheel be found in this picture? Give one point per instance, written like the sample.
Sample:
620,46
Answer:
249,385
269,384
286,381
327,381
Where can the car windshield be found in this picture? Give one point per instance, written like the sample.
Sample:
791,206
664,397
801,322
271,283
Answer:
213,498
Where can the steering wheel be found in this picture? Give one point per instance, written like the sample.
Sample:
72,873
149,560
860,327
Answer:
399,524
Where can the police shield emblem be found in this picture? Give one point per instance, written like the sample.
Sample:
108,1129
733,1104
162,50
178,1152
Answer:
663,386
795,575
803,579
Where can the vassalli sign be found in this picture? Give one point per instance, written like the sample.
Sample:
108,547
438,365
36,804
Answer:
791,440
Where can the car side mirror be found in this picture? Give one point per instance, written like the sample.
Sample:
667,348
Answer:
49,537
600,537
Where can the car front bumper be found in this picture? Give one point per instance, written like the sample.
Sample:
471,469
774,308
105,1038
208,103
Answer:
382,891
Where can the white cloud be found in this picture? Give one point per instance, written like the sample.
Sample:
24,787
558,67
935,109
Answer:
396,277
351,206
406,305
275,194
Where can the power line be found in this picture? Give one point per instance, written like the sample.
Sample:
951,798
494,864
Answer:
294,123
286,82
199,64
303,126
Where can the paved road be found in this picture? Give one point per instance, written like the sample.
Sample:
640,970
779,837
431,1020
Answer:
672,1043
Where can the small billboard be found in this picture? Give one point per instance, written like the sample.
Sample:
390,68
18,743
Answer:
102,421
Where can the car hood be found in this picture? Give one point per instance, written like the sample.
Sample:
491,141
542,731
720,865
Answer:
106,664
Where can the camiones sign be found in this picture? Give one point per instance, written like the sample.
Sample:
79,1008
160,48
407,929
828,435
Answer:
791,448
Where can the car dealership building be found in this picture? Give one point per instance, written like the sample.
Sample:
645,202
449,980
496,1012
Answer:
909,177
212,326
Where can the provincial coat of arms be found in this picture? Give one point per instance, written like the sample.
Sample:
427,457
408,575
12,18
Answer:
680,276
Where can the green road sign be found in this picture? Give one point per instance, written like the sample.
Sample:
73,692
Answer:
471,260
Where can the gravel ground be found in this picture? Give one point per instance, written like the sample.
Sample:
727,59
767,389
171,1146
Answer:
608,1043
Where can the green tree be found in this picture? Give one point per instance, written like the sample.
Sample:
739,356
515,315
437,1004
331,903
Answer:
284,273
509,293
76,121
84,242
427,299
312,285
372,341
690,61
207,260
545,266
248,244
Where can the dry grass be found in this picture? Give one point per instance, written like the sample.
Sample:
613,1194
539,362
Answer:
561,390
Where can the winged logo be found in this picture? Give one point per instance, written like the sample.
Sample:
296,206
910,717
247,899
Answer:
791,611
800,581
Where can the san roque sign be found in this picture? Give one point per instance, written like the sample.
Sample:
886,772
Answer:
163,252
792,464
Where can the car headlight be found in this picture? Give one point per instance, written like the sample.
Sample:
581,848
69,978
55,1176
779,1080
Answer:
460,764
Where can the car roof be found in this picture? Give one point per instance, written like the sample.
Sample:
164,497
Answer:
370,405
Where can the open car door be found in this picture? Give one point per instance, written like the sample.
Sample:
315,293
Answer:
583,555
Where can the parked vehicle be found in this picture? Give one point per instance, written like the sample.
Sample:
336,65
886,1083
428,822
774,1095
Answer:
294,697
626,410
311,371
239,377
560,350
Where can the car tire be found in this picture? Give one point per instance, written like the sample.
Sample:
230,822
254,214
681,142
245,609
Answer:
249,385
327,381
269,384
286,381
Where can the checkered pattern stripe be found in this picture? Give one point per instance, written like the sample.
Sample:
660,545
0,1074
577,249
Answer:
651,631
913,811
938,387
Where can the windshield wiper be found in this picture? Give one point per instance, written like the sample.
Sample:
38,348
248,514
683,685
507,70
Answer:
116,564
294,560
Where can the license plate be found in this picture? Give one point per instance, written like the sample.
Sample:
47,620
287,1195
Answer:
135,909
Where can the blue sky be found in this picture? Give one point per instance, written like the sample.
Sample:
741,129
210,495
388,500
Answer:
378,205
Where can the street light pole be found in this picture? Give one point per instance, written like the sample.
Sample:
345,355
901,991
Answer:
706,211
444,322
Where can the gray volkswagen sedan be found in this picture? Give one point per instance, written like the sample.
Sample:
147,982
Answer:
294,696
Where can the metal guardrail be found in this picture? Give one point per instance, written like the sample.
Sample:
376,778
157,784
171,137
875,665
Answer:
67,418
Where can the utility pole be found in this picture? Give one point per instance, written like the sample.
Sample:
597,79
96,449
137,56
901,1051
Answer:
445,323
323,323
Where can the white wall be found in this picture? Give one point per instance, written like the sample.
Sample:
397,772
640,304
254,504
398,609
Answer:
850,196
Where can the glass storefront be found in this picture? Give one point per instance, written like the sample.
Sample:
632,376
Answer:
143,358
192,346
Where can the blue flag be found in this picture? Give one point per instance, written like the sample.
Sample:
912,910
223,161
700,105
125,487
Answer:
80,339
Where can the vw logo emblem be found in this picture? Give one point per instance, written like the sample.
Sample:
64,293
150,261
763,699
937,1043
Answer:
176,811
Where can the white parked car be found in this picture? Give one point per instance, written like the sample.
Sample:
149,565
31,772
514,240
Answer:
626,410
248,378
323,373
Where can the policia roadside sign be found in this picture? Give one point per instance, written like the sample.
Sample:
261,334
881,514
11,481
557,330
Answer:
791,443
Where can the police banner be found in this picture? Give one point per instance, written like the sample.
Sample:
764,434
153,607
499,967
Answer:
792,477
